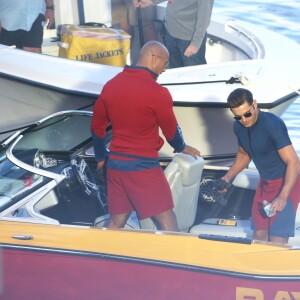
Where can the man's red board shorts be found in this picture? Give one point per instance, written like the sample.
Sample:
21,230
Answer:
145,190
282,224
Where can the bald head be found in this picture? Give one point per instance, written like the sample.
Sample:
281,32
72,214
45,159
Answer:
153,47
154,56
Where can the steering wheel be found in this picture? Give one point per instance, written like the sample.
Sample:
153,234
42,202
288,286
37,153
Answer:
84,176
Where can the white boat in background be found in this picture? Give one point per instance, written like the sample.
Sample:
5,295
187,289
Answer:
239,54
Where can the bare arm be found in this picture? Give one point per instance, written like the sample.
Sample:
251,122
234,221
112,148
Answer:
242,160
49,13
290,157
203,19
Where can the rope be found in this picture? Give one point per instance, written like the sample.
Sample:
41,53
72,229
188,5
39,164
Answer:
231,80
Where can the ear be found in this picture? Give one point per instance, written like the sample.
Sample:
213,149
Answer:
255,104
154,60
154,63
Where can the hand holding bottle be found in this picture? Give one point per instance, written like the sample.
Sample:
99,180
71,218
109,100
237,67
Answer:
267,208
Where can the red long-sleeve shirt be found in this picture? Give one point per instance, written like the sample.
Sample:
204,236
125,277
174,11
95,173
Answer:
136,106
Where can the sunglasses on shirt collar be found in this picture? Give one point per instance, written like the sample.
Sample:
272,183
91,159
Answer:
248,114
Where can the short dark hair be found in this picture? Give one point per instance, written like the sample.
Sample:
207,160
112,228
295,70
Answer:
238,97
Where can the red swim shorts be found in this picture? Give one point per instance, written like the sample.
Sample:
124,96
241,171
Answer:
146,191
282,224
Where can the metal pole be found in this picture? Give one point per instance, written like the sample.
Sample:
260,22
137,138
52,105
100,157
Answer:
140,25
81,12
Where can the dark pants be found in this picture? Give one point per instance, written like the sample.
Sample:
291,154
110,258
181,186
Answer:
176,49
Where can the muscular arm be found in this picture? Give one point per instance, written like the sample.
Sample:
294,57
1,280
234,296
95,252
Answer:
290,157
98,128
166,120
241,162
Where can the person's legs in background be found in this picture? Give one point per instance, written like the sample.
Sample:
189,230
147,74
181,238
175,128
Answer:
196,59
175,59
27,40
177,48
120,16
32,40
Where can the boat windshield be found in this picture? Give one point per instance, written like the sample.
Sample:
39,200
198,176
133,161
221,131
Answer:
64,132
15,182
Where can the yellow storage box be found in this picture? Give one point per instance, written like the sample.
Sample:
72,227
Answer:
94,44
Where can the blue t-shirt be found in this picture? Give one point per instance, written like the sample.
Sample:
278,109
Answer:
262,142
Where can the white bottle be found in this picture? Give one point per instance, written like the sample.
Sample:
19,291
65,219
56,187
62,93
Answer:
267,207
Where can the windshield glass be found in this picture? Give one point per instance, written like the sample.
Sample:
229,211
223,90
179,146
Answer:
63,132
60,133
16,182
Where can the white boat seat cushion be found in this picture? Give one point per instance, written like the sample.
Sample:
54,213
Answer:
183,174
247,179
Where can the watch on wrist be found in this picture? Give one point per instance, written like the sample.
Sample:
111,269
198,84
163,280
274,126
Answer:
50,7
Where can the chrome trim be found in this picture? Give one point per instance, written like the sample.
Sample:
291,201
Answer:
81,112
154,262
28,203
8,140
22,237
57,177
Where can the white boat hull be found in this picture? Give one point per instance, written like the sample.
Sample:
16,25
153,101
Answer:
33,86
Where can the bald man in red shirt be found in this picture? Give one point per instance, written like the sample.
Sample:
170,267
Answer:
136,106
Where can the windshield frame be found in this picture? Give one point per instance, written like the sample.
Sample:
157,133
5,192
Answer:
10,154
57,177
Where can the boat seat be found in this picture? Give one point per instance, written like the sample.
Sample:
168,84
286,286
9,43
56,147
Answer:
247,179
183,174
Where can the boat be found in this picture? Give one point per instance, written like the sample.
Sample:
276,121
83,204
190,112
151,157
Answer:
239,54
76,263
54,243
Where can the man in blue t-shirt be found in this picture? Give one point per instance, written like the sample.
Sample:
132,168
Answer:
263,137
